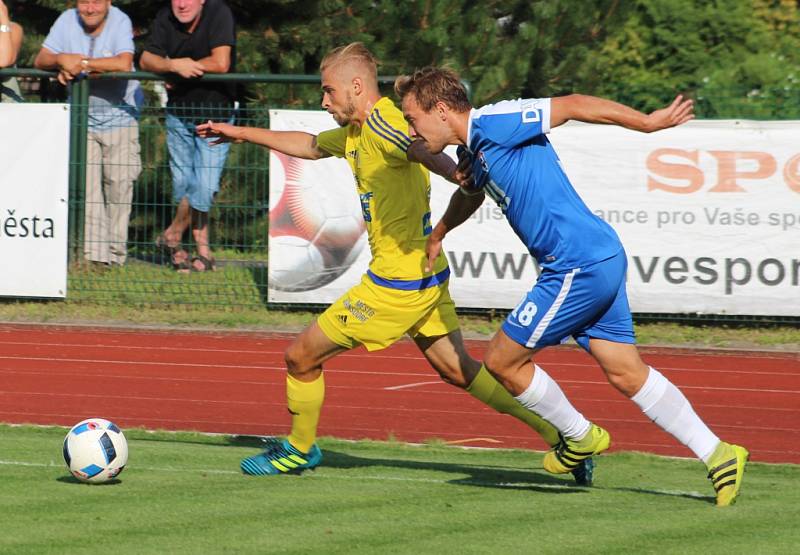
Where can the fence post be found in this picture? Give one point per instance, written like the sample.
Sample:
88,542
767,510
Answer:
79,120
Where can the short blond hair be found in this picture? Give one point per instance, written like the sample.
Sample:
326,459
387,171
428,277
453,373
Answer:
430,85
355,53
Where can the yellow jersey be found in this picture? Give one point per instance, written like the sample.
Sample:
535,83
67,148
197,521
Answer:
395,196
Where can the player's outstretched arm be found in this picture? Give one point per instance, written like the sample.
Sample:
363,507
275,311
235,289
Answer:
591,109
462,205
293,143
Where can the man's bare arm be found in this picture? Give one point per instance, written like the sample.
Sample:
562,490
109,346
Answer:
462,205
185,67
10,44
153,62
293,143
71,65
440,164
219,61
120,62
591,109
46,59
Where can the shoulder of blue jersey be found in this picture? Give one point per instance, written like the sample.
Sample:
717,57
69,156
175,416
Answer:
498,122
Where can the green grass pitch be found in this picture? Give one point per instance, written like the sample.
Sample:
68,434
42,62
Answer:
183,493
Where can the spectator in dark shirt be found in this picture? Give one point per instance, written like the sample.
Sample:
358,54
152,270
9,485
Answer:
191,38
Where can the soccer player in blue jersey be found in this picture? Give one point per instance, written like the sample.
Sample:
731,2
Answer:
398,295
581,289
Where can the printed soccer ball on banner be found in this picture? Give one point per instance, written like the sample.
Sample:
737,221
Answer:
316,229
95,450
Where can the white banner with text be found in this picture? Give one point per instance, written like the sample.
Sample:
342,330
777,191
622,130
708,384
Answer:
34,182
709,214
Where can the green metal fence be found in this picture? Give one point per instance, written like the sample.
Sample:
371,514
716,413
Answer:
238,220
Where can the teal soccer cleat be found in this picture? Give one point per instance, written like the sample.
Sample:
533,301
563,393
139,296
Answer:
584,473
280,457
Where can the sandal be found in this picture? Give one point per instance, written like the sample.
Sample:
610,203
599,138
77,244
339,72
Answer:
206,264
163,243
171,252
184,266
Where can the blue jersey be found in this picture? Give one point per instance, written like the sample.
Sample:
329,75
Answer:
515,164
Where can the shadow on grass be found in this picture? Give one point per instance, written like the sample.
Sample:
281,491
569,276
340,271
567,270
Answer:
685,494
477,475
74,481
497,477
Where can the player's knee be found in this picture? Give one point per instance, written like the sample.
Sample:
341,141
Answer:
290,359
295,360
453,376
627,381
495,365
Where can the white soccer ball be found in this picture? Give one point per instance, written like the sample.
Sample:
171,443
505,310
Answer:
297,264
317,229
327,215
95,450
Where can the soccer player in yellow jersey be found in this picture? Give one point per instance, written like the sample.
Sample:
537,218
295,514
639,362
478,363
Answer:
398,295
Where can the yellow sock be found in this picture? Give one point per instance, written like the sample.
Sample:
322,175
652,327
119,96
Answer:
489,391
304,400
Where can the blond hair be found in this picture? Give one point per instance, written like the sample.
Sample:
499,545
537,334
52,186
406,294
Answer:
354,53
430,85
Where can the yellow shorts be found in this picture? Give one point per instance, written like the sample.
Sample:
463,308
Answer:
377,316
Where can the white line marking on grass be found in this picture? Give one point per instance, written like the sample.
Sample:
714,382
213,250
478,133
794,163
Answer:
362,477
409,385
318,475
145,468
20,463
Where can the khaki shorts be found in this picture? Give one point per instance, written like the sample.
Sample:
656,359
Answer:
377,316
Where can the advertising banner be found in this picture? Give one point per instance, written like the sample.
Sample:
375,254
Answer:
709,214
34,174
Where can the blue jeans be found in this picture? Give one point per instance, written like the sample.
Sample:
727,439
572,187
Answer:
196,166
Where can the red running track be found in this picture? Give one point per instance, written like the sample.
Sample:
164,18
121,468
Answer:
235,383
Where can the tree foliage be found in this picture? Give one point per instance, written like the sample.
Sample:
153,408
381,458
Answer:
739,58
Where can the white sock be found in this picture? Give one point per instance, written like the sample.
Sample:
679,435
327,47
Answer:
545,398
665,405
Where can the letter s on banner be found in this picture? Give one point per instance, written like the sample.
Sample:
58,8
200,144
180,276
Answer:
692,174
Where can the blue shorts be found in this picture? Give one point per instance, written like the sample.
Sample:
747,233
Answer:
583,303
196,166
